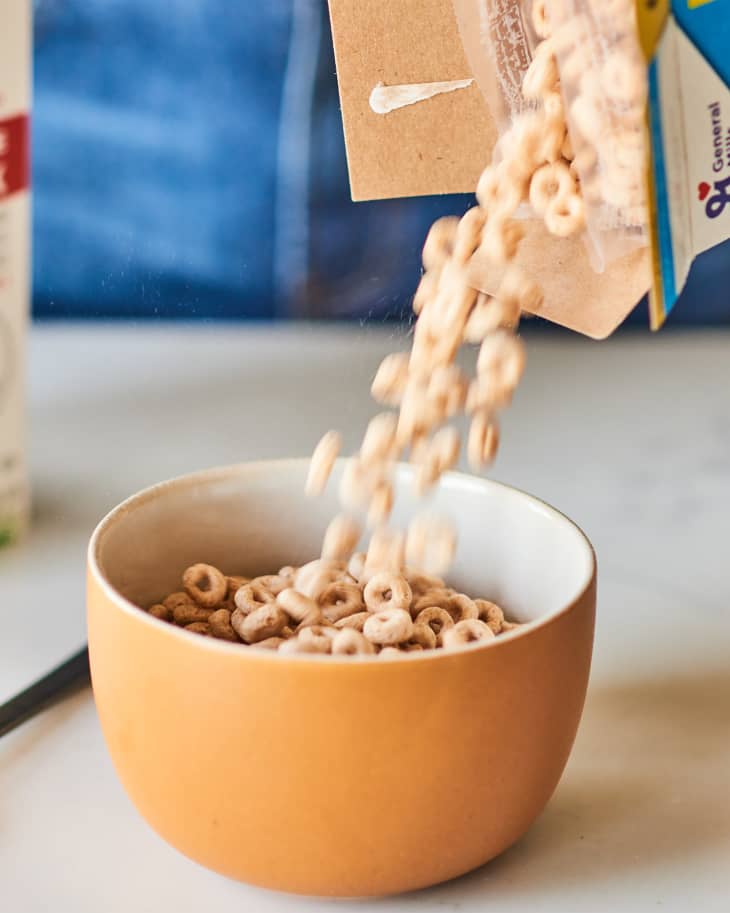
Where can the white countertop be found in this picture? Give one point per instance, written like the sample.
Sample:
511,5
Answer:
630,438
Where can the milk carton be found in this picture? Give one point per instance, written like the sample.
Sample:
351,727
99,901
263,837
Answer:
15,91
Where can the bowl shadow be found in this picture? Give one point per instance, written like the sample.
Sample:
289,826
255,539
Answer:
640,791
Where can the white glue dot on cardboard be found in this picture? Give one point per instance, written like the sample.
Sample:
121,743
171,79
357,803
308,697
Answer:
384,99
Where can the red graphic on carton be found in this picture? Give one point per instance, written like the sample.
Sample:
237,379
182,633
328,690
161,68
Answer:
14,157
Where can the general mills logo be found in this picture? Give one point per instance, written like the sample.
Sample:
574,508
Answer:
716,203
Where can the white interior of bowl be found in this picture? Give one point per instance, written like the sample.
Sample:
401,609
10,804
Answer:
253,518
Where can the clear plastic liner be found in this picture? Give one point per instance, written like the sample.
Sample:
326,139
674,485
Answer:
603,79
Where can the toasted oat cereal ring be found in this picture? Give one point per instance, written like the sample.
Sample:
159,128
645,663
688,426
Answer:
441,455
490,613
339,600
437,596
381,504
517,293
356,621
509,626
455,295
583,164
483,441
322,462
469,234
268,643
462,607
393,626
313,577
390,378
419,449
488,315
520,148
235,583
502,359
379,440
427,475
539,18
623,78
435,618
296,605
320,636
349,642
575,62
385,553
294,645
205,584
158,610
220,625
430,543
434,344
356,565
199,627
386,591
266,621
172,601
541,75
288,572
488,187
552,106
552,140
588,118
390,652
548,183
626,148
424,635
487,395
313,619
501,239
514,178
422,583
464,632
187,613
445,446
426,290
566,150
418,413
340,538
446,390
440,242
252,596
272,582
565,215
358,482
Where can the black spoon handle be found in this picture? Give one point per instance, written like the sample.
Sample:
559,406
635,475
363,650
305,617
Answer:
63,680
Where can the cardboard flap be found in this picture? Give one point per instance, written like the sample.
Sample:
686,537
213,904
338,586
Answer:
436,146
575,296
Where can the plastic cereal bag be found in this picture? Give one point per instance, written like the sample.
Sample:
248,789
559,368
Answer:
566,83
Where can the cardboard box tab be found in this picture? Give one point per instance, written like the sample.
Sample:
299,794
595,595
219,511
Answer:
436,146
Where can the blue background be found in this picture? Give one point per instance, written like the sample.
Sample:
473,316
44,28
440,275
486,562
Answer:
189,163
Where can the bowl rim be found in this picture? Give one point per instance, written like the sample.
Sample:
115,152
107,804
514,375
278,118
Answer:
219,473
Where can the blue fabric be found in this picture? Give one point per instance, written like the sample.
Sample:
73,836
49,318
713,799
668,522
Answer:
189,162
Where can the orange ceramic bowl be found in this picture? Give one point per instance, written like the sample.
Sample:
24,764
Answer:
337,776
